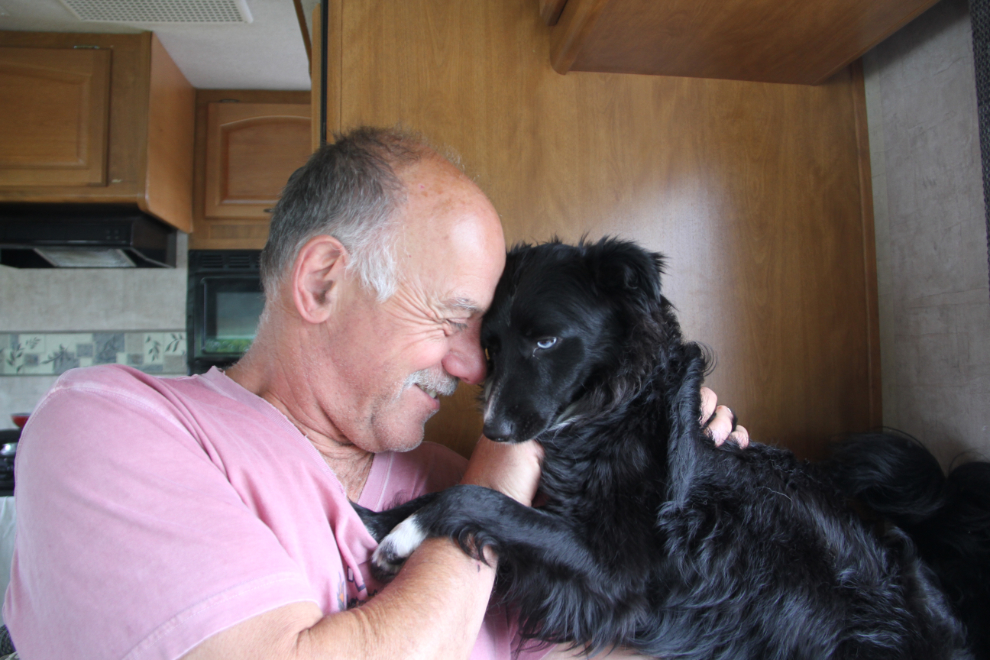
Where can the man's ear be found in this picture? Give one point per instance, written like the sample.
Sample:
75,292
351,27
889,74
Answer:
318,269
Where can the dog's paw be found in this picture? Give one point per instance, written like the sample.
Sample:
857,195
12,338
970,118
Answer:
395,548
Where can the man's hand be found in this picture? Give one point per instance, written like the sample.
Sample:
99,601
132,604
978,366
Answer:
511,469
721,422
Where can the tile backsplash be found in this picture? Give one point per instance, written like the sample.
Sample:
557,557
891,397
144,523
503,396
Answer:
40,353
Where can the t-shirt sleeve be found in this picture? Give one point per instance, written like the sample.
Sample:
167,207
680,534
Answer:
129,534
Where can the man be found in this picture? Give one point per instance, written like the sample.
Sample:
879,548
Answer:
208,517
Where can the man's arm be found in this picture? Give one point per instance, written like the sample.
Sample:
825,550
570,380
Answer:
433,609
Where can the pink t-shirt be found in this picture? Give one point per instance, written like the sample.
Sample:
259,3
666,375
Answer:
153,513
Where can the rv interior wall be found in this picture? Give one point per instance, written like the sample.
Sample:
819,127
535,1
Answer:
931,234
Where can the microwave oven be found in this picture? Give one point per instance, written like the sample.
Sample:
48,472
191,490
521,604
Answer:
224,300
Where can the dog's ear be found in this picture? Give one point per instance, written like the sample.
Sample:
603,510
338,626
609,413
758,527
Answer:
625,266
515,260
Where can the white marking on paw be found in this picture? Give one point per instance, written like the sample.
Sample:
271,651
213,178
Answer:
398,545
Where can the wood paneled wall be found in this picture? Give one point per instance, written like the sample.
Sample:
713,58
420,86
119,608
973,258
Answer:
757,193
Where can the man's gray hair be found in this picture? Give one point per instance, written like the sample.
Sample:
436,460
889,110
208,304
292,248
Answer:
349,189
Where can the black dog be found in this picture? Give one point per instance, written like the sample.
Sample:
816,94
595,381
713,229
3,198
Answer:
651,538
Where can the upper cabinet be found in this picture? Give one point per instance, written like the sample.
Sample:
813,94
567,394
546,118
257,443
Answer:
251,149
248,143
755,40
55,106
96,118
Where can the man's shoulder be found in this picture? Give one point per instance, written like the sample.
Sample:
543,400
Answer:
103,384
109,375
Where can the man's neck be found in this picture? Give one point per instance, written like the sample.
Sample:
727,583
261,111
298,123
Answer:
267,378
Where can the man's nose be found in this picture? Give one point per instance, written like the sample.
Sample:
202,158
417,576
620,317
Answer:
465,359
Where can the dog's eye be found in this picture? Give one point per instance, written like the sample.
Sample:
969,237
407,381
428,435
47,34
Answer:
546,342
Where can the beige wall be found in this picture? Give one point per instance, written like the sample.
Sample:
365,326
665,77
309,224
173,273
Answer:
931,233
70,300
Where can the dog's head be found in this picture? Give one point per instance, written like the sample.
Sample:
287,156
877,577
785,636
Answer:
571,331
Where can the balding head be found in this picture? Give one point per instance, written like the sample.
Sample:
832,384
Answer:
349,189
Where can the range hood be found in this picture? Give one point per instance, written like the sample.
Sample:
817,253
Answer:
83,236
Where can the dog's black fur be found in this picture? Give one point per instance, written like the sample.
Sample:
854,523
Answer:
654,539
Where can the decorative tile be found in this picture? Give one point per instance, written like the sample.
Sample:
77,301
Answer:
23,354
134,343
154,348
32,364
34,343
175,343
9,354
106,345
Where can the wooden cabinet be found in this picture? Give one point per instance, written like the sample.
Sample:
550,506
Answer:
757,40
102,118
758,193
247,145
55,104
251,149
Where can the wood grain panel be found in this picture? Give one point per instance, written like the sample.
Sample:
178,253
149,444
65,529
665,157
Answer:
134,154
168,189
871,294
251,149
757,40
575,29
128,109
550,10
229,233
753,190
55,104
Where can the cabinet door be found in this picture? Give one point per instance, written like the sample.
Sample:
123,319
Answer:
251,149
55,105
757,40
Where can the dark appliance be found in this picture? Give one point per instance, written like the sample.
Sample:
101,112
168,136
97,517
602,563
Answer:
84,236
8,449
224,301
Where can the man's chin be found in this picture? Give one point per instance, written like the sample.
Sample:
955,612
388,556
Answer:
407,437
412,409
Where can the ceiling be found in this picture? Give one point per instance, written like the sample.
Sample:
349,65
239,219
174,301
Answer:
268,53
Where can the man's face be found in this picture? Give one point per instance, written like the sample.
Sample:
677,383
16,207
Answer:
395,357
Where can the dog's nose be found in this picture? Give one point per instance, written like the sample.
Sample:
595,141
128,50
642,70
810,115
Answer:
498,430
